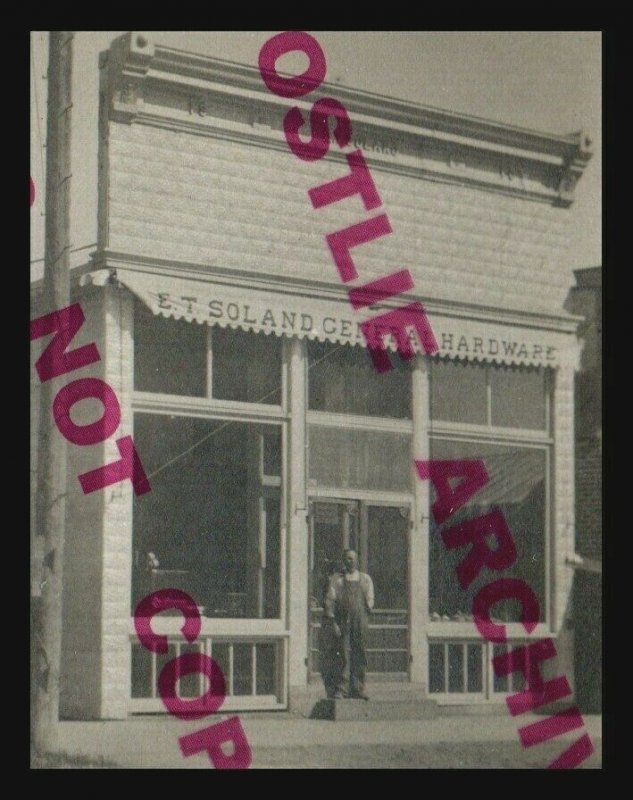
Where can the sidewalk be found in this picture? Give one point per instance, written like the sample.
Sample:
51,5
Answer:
279,741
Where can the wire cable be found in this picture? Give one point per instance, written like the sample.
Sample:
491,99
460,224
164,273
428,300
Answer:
74,250
230,422
37,114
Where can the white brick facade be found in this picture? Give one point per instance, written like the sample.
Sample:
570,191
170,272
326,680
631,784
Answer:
208,201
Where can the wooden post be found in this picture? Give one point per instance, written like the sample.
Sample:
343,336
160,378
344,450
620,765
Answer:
51,461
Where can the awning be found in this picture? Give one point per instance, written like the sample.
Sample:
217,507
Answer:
513,476
332,319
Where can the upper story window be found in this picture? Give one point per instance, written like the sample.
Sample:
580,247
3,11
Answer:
186,358
489,395
343,380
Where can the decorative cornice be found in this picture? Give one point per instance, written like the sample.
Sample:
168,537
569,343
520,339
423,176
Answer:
147,83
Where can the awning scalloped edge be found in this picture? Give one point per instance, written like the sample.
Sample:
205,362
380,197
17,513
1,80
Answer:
329,320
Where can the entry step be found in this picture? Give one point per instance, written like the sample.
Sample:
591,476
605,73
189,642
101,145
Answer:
353,709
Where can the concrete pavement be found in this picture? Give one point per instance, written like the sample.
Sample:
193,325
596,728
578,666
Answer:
279,740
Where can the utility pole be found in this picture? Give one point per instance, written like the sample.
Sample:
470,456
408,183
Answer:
51,459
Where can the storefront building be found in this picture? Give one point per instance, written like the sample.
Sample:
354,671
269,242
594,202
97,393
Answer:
270,440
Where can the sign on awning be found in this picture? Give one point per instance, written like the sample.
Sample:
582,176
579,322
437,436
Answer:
333,320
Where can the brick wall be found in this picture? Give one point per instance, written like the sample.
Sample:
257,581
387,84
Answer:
585,299
563,528
117,522
81,636
589,498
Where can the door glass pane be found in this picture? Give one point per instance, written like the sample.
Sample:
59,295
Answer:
387,555
329,521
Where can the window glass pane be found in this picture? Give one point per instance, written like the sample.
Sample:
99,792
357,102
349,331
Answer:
518,397
193,684
475,682
436,668
170,355
516,487
272,454
208,520
243,669
343,379
246,366
518,680
266,668
387,555
501,683
161,660
141,671
220,653
458,392
455,667
359,459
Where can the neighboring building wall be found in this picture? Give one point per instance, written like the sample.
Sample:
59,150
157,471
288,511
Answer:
586,299
589,497
588,635
563,519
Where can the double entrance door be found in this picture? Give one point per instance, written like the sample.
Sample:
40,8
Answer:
379,533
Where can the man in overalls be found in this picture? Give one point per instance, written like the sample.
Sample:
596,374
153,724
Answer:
348,602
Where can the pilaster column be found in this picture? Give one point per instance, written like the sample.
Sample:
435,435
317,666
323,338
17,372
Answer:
297,515
419,548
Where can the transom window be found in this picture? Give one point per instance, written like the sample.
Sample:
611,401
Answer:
185,358
343,380
489,394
